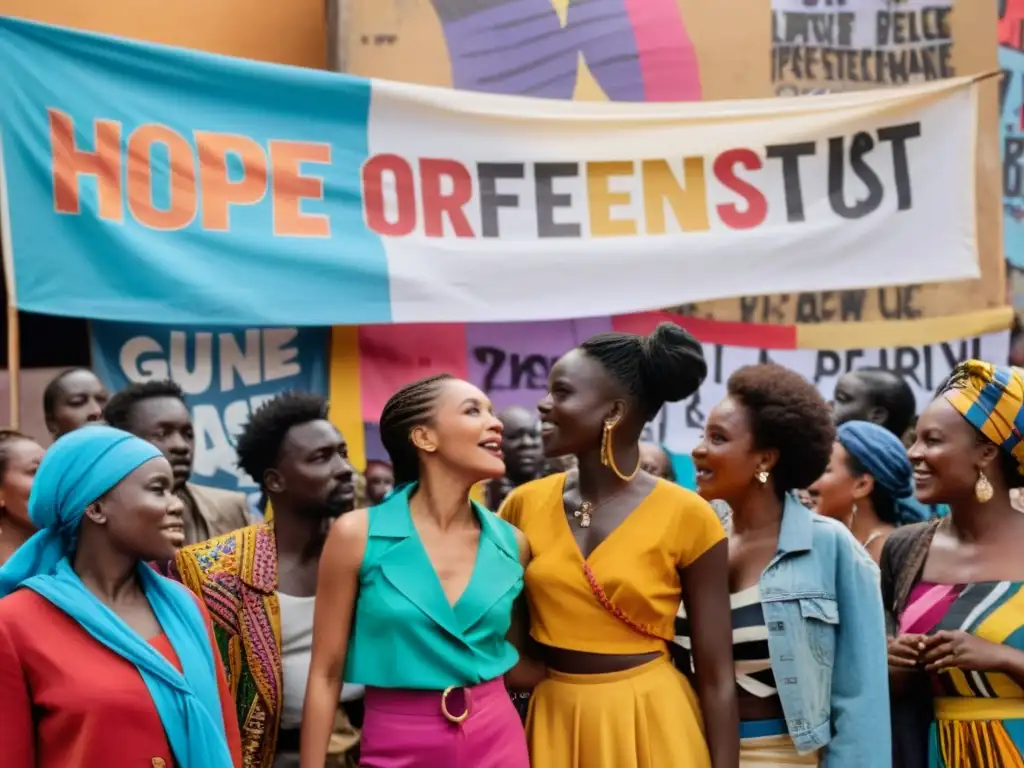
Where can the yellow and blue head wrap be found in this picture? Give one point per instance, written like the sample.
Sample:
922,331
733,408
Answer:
991,398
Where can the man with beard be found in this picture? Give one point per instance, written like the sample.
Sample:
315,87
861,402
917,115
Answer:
155,411
259,583
524,455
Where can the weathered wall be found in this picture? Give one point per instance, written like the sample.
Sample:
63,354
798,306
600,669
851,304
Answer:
283,31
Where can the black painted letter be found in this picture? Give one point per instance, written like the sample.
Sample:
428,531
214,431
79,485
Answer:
490,199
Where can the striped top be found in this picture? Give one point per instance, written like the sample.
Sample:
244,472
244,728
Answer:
991,610
749,642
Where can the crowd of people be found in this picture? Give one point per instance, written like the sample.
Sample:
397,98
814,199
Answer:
840,590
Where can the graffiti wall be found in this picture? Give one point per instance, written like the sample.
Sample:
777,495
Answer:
619,50
680,49
291,32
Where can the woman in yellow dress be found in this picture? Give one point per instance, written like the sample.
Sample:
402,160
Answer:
612,547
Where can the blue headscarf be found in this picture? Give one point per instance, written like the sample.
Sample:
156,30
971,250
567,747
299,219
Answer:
884,457
76,471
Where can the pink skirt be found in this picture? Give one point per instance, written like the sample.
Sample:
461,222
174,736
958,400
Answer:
409,729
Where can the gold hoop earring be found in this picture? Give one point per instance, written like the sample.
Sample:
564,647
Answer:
983,490
762,476
608,453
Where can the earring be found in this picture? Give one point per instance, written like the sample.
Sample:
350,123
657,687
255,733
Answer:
983,490
762,476
853,510
608,453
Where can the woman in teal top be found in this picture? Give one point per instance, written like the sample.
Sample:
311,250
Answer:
416,596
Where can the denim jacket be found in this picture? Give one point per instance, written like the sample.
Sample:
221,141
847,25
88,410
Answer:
826,637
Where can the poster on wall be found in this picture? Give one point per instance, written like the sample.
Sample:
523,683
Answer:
225,374
511,361
823,47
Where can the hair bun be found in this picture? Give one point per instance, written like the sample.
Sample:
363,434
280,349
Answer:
675,366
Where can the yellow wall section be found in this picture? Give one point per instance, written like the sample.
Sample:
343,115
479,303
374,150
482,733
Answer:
345,392
898,333
282,31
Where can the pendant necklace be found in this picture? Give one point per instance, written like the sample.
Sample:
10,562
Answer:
584,512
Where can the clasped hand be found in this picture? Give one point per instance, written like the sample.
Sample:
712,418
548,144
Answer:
947,649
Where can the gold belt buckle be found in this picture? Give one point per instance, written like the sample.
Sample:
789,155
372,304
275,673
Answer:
456,719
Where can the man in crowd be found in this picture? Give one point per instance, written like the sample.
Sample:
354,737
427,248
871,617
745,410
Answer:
380,481
259,583
655,460
524,454
875,395
156,412
881,397
72,399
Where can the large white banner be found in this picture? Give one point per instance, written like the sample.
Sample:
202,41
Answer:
127,177
571,208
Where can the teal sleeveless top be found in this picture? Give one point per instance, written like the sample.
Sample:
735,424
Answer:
405,633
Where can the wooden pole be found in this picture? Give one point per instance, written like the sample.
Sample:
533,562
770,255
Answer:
14,366
14,363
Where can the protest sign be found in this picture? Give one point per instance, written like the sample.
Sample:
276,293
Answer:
225,374
322,197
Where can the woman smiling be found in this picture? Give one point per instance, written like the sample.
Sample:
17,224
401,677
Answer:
868,485
102,661
415,597
953,587
612,547
808,630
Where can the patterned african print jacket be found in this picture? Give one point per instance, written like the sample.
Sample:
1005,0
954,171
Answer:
236,577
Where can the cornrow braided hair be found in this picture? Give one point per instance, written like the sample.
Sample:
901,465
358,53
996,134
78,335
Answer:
408,408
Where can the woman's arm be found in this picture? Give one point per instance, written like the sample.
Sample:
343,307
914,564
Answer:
1012,664
860,675
528,671
902,649
336,592
707,594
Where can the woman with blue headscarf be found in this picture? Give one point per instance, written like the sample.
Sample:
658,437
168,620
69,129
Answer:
102,661
868,485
